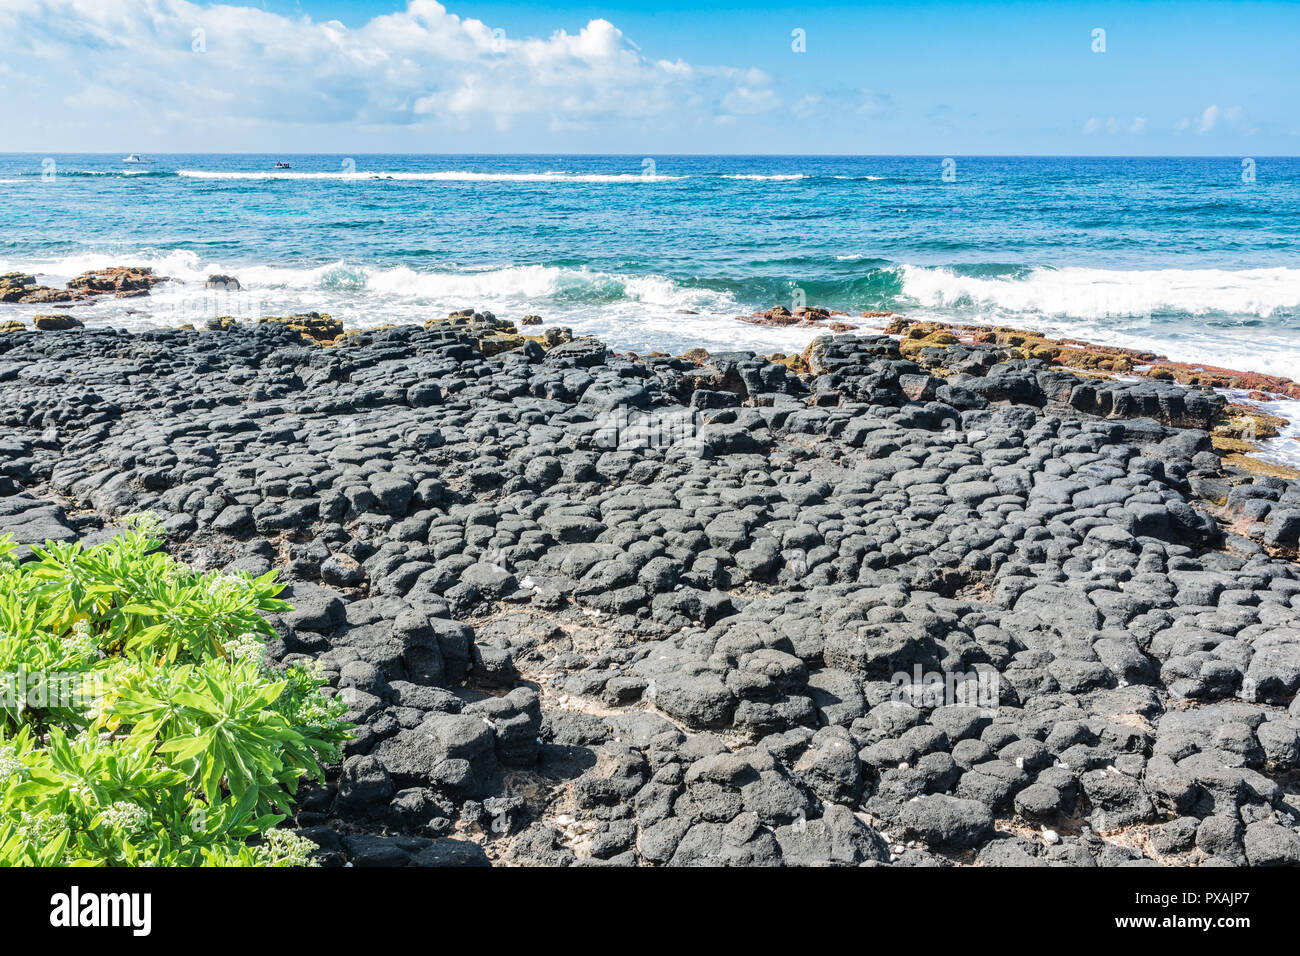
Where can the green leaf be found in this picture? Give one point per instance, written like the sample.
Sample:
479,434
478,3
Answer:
185,748
143,610
176,718
197,701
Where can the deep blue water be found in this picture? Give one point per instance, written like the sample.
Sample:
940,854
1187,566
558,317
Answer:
1181,255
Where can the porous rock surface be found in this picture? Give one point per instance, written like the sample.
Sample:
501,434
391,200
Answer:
599,609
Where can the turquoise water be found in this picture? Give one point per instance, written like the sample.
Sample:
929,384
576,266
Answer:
1183,256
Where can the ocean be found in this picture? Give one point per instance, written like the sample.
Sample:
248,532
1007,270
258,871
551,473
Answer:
1193,258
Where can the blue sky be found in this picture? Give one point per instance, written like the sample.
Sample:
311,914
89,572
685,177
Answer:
919,77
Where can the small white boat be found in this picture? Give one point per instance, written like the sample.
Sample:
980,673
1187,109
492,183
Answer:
283,166
136,158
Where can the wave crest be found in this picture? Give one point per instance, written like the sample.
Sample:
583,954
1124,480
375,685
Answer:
450,176
1096,293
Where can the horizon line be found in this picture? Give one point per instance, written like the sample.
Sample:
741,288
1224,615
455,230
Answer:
689,155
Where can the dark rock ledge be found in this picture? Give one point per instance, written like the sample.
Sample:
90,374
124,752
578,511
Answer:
603,610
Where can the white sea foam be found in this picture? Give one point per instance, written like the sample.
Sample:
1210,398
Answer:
455,175
1284,448
1095,293
642,312
648,311
1133,309
433,176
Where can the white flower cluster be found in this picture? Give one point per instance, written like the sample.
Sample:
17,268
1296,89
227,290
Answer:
80,642
10,766
247,646
227,585
289,848
40,829
126,816
313,713
146,522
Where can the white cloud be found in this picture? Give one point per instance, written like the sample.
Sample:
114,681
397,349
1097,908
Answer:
135,62
747,100
1216,117
806,105
1111,126
873,102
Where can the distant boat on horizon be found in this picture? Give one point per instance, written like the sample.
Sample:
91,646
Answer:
136,158
283,166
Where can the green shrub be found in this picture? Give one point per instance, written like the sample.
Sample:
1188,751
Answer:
138,722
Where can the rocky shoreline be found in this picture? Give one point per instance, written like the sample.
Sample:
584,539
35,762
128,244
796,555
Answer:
1240,431
929,605
120,282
